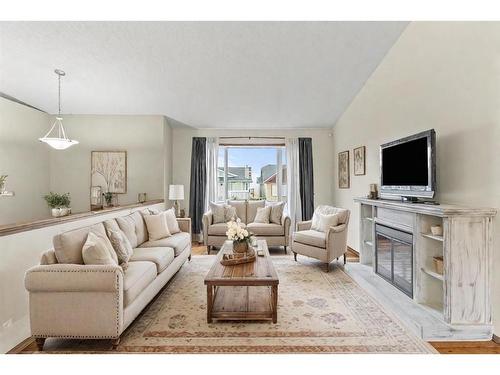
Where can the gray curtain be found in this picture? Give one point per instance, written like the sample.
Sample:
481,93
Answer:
198,183
306,178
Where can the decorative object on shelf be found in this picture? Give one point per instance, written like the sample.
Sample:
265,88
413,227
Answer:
343,165
3,178
176,194
59,203
142,197
359,161
59,139
373,194
183,213
109,169
438,264
96,198
437,230
111,199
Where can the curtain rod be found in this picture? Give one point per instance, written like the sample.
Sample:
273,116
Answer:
252,137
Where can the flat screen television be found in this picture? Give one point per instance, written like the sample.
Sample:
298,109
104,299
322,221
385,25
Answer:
408,166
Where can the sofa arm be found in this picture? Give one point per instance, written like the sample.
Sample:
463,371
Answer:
304,225
206,222
336,241
286,222
74,278
184,224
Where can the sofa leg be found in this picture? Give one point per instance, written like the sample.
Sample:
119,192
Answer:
345,258
295,255
189,258
40,341
285,249
115,343
327,267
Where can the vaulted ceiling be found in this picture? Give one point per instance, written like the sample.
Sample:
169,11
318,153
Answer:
204,74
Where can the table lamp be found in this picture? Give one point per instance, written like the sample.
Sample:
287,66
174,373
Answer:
176,194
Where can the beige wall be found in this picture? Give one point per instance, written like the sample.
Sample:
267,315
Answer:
322,155
444,76
25,160
141,136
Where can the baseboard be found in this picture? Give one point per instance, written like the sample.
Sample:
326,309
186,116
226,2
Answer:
496,339
21,346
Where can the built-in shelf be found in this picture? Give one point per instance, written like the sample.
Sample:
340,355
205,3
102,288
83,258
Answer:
431,236
433,274
7,194
369,243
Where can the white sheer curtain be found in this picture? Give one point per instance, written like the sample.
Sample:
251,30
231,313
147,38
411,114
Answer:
212,158
293,181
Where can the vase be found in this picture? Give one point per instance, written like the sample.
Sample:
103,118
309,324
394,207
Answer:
240,247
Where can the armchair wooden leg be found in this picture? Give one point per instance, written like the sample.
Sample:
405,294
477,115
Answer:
327,267
295,255
345,258
189,258
115,343
40,341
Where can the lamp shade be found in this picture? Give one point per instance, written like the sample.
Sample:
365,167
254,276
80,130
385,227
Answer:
176,192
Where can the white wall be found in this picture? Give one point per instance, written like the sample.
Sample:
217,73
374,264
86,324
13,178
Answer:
141,136
446,76
322,155
25,160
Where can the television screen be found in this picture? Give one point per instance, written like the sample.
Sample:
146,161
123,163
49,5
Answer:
406,164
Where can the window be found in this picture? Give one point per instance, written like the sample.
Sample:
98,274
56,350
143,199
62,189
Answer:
251,172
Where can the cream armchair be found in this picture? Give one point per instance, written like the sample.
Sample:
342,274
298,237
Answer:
324,246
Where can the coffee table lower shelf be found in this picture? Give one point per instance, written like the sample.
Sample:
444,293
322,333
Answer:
242,303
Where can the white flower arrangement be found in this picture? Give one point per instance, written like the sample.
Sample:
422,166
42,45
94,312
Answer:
236,233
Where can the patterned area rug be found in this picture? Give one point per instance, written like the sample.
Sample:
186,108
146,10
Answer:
318,313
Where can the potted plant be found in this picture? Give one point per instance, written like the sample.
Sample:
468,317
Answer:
59,203
239,235
3,178
108,197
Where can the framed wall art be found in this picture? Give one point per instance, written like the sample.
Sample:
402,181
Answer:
343,170
109,170
359,161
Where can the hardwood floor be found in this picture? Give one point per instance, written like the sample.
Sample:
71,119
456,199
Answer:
445,347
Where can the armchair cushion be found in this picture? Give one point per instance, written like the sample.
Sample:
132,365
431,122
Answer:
311,238
178,242
161,256
266,229
136,278
328,210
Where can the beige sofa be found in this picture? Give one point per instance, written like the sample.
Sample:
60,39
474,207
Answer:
69,299
274,234
324,246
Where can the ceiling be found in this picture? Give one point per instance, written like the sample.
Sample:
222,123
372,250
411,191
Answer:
203,74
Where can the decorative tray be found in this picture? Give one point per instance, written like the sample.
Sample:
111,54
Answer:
234,259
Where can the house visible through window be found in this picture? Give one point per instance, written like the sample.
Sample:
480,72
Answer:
252,172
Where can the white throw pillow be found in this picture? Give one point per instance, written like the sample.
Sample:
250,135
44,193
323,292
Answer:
327,221
122,246
276,212
98,250
157,226
172,224
262,215
218,212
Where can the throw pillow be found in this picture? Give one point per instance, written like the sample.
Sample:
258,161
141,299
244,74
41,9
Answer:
230,213
98,250
122,247
172,224
276,212
262,215
157,226
218,213
327,221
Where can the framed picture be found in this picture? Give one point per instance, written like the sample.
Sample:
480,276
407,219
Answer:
109,170
359,161
344,170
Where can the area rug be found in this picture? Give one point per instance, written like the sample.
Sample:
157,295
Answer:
318,312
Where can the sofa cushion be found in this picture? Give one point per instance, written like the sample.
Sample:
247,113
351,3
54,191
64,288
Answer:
111,224
262,216
97,249
178,242
127,225
219,229
140,227
230,213
310,237
277,209
121,245
161,256
68,245
218,212
241,209
136,278
172,224
269,229
157,226
252,210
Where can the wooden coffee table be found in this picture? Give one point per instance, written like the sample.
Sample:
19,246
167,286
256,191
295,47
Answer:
243,292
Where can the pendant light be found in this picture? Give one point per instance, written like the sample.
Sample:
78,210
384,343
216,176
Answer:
58,140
